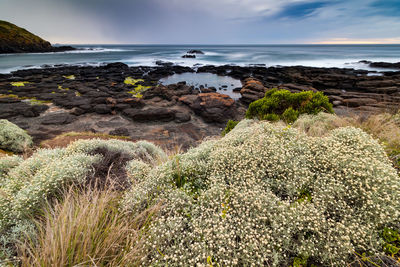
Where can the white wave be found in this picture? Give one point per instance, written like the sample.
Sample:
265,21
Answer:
211,53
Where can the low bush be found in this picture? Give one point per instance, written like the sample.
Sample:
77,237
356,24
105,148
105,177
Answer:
13,138
26,186
384,127
282,104
269,195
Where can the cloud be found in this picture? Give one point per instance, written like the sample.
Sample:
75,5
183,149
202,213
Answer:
205,21
300,10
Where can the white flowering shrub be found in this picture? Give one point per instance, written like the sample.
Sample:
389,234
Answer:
320,124
6,164
266,194
26,185
13,138
137,170
142,149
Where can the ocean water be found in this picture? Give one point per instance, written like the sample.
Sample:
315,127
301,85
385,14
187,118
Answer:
342,56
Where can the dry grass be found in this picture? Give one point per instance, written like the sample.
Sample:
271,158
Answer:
385,127
65,139
86,228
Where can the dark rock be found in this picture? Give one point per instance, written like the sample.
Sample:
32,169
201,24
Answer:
58,118
356,102
102,109
252,90
116,65
194,51
164,63
120,132
212,107
208,90
77,111
133,102
182,117
189,56
385,65
150,114
37,109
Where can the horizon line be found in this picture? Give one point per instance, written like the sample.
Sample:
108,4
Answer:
194,44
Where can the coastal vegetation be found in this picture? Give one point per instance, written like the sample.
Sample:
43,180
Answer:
282,104
13,138
319,192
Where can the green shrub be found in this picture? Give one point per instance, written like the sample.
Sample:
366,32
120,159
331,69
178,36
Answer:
282,104
269,195
13,138
290,115
229,126
391,239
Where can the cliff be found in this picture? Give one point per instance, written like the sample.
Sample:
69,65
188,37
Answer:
14,39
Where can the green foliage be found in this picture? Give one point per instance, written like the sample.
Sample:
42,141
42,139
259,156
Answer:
391,239
13,138
290,115
265,192
139,88
229,126
282,104
18,84
69,77
300,261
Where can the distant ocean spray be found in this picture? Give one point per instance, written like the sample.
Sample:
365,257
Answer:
341,56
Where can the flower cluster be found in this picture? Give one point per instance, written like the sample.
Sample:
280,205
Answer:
26,185
13,138
143,150
266,194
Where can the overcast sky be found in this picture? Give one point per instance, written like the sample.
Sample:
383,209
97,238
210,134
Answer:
207,21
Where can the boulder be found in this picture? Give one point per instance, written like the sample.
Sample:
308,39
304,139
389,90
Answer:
252,90
194,51
150,114
58,119
182,117
189,56
212,107
356,102
120,132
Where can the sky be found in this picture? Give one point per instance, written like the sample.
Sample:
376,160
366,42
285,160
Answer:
207,21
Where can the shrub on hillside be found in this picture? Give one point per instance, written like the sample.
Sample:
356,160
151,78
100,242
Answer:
13,138
141,150
267,194
282,104
26,186
6,164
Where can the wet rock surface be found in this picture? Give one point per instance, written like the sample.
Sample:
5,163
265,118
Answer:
50,101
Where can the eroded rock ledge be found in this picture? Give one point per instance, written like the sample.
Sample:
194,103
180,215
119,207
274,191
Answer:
47,102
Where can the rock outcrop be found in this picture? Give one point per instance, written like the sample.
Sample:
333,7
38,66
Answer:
14,39
50,101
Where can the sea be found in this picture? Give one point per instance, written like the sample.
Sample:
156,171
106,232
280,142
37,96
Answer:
341,56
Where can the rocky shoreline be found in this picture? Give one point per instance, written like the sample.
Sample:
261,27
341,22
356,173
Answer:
50,101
